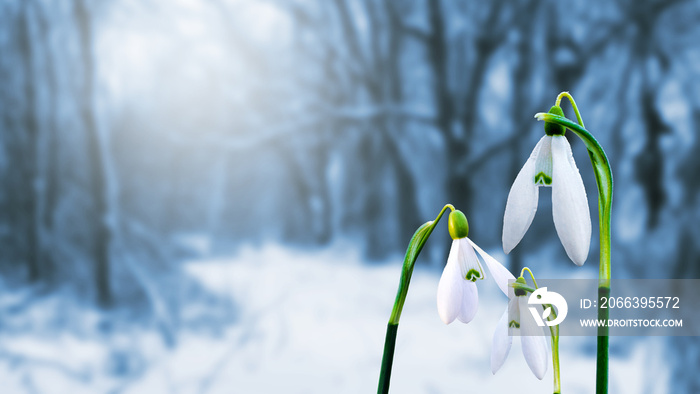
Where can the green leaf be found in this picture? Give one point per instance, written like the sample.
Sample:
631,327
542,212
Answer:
415,246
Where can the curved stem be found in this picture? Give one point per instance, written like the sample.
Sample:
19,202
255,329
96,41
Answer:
604,180
531,276
414,248
573,105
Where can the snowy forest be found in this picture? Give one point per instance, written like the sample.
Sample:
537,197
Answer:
214,196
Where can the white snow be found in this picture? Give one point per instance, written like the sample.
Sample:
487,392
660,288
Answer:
309,322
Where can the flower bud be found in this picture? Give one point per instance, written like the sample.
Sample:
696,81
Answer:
458,225
553,128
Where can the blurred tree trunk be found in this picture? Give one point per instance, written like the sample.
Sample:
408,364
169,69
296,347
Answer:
457,118
374,68
30,175
407,202
649,164
46,189
96,158
50,191
383,82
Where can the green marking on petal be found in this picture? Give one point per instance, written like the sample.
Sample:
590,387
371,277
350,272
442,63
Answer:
542,179
514,324
473,275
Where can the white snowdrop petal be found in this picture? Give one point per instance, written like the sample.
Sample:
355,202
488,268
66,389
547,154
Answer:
470,301
449,293
543,164
514,316
501,344
499,273
522,202
534,342
468,262
570,211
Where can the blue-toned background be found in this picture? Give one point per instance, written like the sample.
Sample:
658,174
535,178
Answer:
215,196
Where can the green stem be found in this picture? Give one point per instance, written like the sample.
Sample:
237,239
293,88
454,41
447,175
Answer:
414,248
604,180
573,105
555,358
388,358
531,276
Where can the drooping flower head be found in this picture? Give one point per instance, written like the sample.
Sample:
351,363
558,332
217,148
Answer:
457,296
551,164
514,322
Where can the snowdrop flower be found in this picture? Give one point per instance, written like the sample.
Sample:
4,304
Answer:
551,164
457,297
532,336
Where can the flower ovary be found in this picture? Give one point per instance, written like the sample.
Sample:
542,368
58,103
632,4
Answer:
458,225
553,128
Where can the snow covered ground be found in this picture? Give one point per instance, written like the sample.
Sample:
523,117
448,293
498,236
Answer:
309,322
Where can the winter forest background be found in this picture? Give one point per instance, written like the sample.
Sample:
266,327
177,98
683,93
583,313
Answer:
215,196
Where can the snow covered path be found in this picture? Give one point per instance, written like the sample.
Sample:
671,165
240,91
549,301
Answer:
312,322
